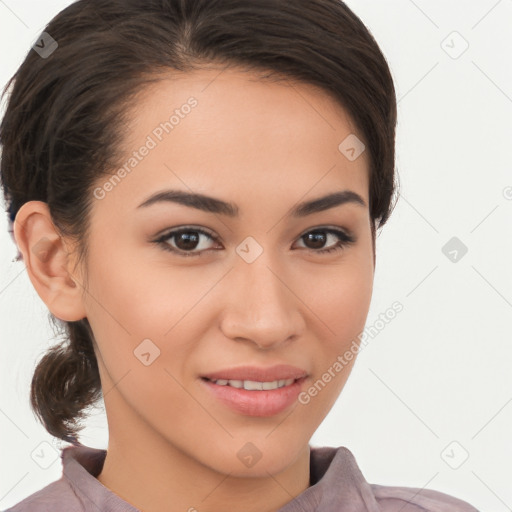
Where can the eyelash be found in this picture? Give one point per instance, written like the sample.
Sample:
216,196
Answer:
345,240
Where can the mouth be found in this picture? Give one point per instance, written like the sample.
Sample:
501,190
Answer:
256,391
254,385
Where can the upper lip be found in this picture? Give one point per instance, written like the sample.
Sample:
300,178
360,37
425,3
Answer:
259,374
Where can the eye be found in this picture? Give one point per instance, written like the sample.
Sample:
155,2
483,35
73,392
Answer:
318,237
188,239
185,239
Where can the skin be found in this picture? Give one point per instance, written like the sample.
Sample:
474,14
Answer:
264,146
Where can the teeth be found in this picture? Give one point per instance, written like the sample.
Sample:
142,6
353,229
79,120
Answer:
252,385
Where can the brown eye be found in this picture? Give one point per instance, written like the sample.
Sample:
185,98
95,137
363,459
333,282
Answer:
186,241
316,239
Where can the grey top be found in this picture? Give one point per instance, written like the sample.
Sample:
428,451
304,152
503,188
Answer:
337,485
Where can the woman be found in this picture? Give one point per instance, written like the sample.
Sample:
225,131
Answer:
195,188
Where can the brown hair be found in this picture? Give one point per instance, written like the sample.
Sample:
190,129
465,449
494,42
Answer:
64,119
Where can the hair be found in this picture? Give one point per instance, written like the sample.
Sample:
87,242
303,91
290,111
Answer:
66,114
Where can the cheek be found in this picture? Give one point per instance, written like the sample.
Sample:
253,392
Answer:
135,308
136,294
340,296
145,329
340,303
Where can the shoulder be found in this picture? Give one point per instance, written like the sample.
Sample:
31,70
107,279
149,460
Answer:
339,480
412,499
55,497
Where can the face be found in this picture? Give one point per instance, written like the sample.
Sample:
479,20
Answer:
177,292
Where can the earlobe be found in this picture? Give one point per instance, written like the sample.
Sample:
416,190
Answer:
48,261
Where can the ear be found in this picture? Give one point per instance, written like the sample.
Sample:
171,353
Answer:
48,261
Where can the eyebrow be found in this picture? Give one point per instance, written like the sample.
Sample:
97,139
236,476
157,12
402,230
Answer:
214,205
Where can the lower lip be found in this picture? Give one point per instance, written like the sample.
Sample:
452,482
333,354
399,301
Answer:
257,402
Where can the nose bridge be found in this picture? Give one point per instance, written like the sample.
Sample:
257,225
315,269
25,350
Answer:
261,307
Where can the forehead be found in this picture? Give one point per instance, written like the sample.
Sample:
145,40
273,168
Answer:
240,135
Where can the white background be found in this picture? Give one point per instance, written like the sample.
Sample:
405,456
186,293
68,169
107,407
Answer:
440,371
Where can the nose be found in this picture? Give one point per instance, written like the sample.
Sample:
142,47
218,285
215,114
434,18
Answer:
261,306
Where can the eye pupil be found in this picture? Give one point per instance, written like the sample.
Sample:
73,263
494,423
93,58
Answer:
318,239
191,240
